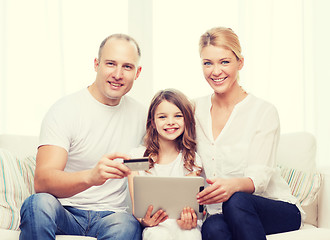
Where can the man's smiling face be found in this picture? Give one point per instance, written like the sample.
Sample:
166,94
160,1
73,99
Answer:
116,70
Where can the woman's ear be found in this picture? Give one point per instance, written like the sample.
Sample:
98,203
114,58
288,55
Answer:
240,63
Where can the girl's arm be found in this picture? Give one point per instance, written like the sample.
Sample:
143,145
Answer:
131,188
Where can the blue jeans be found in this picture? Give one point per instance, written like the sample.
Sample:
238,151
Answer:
246,216
43,217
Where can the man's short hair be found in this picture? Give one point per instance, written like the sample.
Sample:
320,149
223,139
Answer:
119,36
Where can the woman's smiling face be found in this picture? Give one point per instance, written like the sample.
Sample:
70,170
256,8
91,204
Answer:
220,68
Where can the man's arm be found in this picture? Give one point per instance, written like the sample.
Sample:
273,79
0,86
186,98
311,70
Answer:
51,178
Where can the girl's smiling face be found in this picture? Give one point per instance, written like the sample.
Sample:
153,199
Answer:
220,68
169,121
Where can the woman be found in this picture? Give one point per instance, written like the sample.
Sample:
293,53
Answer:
237,137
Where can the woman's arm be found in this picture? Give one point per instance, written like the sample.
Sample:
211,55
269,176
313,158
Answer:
263,149
220,189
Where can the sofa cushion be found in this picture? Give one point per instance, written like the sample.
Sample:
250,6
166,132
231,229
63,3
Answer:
14,235
16,184
296,159
311,233
304,185
297,150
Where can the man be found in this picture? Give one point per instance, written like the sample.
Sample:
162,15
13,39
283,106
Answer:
80,183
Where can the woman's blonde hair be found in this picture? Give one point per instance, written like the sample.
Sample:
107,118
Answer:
221,37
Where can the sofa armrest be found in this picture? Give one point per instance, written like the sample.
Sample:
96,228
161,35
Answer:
324,200
19,145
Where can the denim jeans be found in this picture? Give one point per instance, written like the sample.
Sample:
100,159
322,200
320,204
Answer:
43,217
246,216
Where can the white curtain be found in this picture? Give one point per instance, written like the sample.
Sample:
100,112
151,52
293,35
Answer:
285,45
271,34
47,50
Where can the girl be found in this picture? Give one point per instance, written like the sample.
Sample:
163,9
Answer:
170,145
237,136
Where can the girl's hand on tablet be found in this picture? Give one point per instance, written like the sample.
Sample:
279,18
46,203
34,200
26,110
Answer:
154,220
188,219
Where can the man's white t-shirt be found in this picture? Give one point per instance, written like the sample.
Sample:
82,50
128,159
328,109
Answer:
87,130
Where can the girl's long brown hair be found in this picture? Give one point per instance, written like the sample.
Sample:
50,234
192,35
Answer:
186,142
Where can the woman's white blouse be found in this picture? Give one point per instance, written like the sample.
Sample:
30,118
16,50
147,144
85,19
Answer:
246,147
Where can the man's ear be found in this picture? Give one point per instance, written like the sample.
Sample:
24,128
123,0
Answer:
96,64
138,72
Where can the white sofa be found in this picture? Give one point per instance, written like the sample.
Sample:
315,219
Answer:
296,151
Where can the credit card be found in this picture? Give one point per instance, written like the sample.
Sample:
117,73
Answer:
137,164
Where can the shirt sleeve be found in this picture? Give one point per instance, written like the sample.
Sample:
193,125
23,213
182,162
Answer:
55,129
263,148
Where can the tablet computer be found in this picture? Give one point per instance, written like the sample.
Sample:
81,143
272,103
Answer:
171,194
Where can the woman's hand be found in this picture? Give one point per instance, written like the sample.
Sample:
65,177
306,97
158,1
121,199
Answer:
222,189
188,219
219,191
154,220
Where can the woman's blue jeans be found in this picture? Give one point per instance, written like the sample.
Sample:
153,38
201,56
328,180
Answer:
246,216
43,217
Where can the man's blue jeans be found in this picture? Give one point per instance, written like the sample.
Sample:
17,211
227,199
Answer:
246,216
43,217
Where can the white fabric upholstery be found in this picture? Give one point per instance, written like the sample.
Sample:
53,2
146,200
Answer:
19,145
297,150
324,201
308,234
11,235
